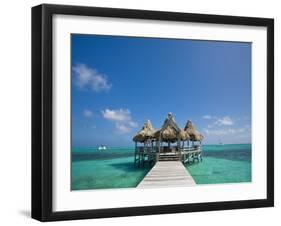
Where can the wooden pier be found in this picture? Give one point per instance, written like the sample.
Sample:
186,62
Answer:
167,174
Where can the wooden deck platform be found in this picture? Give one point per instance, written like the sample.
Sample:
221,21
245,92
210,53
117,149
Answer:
167,174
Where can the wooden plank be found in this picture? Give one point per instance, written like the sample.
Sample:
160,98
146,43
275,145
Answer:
167,174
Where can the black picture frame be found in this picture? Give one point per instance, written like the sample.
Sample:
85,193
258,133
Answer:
42,111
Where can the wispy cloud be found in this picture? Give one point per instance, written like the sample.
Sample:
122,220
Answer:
219,121
119,115
228,134
86,77
122,119
122,128
220,132
88,113
133,124
207,117
224,121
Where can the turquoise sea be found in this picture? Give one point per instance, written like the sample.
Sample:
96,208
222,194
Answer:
114,168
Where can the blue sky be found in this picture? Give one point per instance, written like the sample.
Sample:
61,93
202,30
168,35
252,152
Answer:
120,82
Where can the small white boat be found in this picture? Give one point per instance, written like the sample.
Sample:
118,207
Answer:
102,148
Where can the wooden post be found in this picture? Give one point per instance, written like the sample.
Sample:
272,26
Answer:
135,152
160,141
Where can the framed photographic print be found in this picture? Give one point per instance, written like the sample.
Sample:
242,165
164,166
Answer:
145,112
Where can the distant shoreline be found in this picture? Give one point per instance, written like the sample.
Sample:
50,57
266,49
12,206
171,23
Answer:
127,147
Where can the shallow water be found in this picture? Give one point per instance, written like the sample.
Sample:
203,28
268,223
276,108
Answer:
114,168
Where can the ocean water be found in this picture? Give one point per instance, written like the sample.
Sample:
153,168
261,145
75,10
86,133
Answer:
223,164
114,168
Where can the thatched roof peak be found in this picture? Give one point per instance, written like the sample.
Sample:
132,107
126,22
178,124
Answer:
148,125
146,132
169,131
193,132
170,122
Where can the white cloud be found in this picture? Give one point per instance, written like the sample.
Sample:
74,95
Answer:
122,119
87,113
207,117
122,128
90,78
133,124
117,115
228,130
224,121
220,132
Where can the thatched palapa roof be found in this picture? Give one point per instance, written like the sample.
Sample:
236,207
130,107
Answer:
170,132
193,133
147,132
184,135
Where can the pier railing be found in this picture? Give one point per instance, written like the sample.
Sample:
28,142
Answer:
196,148
151,154
166,149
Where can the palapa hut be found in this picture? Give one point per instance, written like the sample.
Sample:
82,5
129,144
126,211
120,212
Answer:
146,132
192,132
170,133
145,135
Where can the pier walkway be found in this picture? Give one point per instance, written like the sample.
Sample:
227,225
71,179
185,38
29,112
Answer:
167,174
